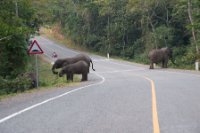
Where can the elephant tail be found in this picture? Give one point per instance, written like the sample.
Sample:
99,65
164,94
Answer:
92,65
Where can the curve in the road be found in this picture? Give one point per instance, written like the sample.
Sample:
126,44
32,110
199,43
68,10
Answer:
51,99
156,128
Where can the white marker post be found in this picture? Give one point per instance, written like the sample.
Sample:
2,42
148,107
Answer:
108,56
197,66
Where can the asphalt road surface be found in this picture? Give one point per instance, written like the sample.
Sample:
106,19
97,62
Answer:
119,97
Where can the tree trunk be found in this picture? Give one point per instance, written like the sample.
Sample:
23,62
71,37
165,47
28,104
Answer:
108,34
16,9
191,21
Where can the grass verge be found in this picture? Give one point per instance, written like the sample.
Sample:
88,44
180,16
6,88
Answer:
47,80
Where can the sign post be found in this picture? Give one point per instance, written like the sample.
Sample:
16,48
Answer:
36,49
36,68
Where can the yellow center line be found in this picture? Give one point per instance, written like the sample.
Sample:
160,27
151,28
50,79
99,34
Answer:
156,128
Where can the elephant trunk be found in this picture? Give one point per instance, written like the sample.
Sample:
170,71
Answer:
60,74
53,70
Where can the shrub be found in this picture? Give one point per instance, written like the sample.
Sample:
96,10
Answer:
19,84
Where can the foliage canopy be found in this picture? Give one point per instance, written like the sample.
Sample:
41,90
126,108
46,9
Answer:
129,28
17,23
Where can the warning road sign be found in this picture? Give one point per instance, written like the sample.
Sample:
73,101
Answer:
35,48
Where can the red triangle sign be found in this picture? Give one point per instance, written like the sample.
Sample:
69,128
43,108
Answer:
35,48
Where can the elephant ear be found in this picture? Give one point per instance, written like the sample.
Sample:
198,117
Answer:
168,51
57,63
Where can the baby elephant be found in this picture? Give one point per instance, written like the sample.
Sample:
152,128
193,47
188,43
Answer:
80,67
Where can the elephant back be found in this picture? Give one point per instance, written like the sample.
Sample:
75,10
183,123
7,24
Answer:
82,57
79,67
156,55
167,51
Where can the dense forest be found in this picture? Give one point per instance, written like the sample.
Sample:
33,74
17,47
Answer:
123,28
130,28
18,21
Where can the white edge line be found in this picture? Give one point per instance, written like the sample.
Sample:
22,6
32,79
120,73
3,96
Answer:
50,99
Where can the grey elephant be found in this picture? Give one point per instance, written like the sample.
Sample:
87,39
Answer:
59,63
160,56
80,67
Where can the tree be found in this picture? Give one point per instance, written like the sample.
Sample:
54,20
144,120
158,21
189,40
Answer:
129,28
190,15
16,25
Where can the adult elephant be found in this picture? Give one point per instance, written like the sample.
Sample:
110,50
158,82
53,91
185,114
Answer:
160,56
80,67
59,63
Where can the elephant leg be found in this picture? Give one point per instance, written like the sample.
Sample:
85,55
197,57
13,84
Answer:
151,65
84,77
165,63
68,77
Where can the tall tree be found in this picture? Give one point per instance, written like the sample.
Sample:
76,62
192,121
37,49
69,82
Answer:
190,15
16,24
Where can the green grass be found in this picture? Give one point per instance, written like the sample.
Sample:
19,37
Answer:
47,80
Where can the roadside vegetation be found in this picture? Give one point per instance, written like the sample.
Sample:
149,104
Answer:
54,33
48,79
130,28
19,20
126,29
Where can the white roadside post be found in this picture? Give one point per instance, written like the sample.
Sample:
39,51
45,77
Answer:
197,65
35,49
108,56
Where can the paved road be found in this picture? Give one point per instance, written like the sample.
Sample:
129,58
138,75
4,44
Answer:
120,97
